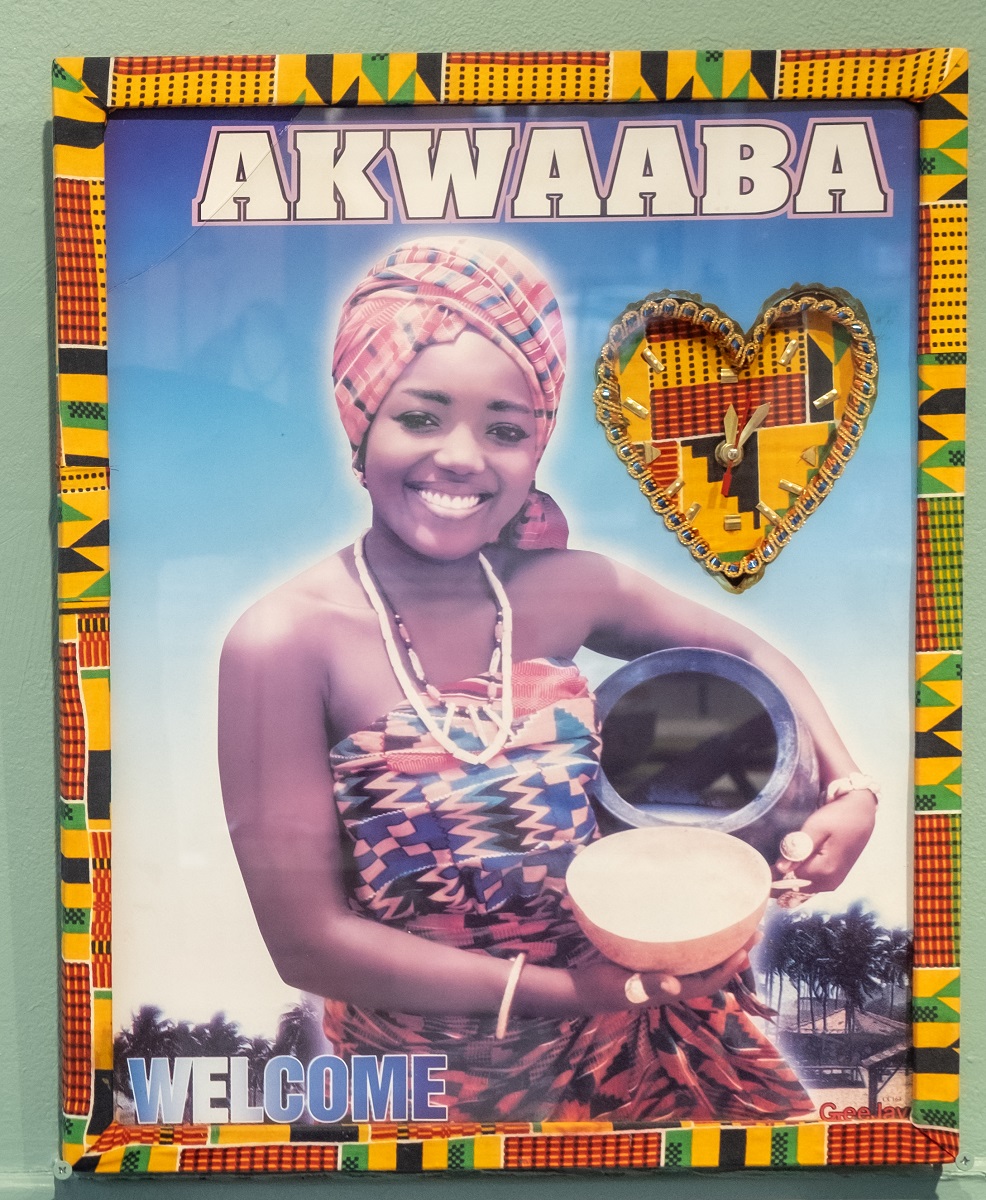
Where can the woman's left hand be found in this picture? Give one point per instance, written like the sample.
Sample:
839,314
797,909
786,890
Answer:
707,983
839,831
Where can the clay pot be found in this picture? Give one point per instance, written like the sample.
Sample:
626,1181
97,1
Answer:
679,724
671,898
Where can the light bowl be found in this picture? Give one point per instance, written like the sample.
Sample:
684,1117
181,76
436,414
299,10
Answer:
669,898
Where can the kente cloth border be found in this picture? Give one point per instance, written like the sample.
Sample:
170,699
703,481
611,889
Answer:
85,91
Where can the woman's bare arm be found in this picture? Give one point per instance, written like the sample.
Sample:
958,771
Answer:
277,791
635,615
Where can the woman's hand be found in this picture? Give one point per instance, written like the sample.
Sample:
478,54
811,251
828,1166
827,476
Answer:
839,831
689,987
602,988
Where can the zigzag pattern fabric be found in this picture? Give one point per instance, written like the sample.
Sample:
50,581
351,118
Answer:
475,857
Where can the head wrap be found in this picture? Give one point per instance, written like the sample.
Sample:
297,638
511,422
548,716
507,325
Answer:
429,292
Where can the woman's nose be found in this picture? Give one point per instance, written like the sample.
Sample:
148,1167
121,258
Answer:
460,451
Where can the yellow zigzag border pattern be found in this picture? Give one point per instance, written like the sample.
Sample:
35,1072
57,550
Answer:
84,91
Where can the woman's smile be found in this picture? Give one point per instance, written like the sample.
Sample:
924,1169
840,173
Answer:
450,456
447,504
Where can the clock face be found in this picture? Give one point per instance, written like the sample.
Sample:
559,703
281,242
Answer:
736,438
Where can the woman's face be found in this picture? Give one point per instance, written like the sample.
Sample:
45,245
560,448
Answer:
450,455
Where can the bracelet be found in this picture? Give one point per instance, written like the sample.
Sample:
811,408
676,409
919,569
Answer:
855,782
503,1016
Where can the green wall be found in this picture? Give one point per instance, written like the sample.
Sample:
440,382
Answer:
32,32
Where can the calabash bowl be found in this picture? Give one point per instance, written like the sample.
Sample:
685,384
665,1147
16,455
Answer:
679,899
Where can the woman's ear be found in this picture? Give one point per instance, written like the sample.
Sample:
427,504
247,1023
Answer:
359,460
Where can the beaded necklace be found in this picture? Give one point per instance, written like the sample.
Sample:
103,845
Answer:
501,667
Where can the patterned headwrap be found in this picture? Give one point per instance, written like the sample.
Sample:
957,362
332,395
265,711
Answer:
429,292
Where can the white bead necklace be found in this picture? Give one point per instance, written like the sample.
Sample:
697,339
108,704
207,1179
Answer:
501,664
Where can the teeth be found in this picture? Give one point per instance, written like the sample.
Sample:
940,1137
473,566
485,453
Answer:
452,503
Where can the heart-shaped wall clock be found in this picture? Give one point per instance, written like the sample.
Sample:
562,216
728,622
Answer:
736,438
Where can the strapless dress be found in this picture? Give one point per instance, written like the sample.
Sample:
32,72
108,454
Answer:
474,856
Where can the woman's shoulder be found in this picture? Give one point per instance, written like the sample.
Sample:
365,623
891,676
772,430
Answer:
315,607
550,568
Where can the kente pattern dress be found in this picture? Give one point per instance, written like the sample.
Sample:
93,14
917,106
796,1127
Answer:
474,856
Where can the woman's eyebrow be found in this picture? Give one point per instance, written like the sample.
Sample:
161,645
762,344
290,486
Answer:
510,406
428,394
444,398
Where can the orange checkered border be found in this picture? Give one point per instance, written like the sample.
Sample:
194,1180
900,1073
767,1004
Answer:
82,87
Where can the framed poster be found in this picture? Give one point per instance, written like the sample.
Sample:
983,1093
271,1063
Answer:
603,331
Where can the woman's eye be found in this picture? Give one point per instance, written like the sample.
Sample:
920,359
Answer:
509,434
416,420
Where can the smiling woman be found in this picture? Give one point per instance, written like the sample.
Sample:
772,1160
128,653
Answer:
454,816
451,454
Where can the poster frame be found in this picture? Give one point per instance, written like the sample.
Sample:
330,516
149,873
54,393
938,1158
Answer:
86,93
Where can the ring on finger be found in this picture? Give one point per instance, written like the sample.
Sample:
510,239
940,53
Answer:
634,989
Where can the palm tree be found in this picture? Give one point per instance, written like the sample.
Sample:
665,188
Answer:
796,961
184,1040
258,1050
813,943
793,953
151,1035
897,962
219,1037
824,967
857,950
295,1032
772,957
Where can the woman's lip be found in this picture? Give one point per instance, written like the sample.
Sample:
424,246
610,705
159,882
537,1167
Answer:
454,505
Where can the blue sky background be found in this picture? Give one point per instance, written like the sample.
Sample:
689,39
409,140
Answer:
230,472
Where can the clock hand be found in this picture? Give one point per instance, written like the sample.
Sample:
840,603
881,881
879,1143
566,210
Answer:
754,423
731,425
734,443
731,452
